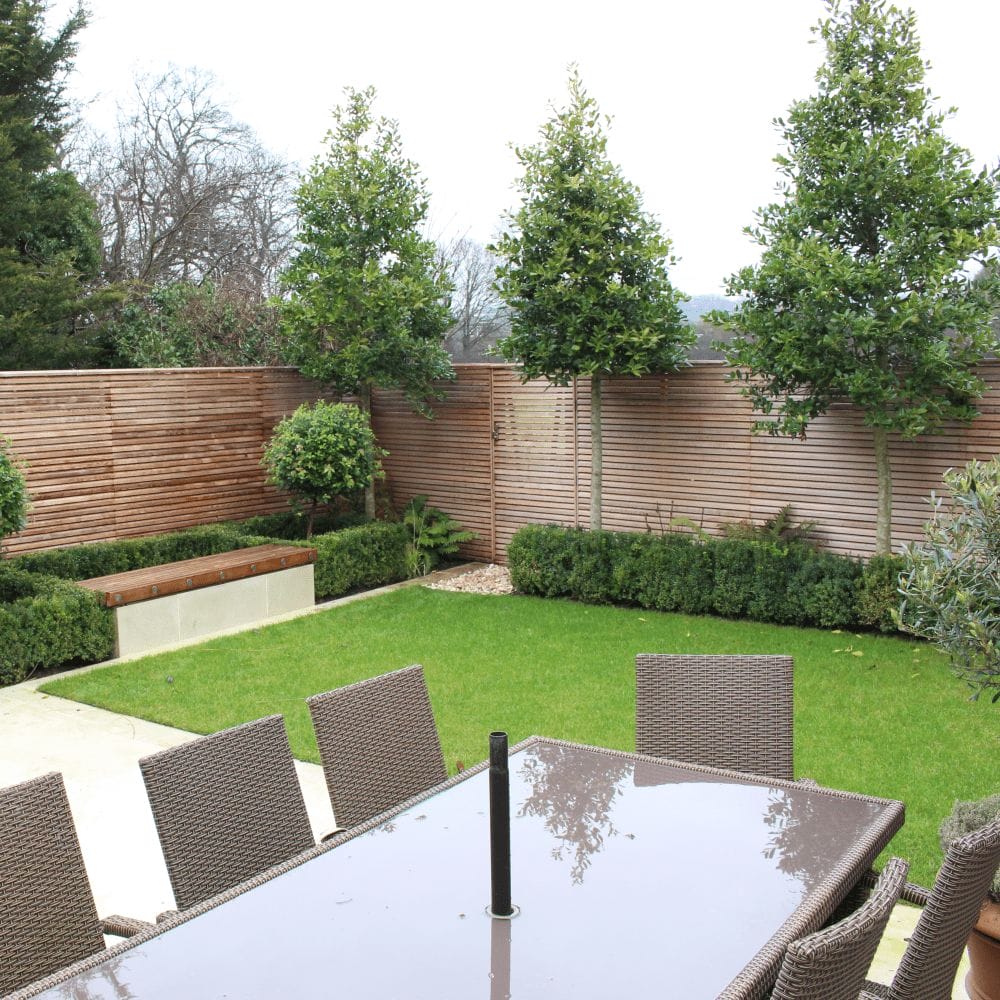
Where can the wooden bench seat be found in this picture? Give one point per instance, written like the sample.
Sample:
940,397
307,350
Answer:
193,599
190,574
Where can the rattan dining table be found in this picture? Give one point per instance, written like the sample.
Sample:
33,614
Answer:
632,876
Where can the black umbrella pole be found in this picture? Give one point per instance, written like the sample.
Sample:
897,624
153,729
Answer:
500,826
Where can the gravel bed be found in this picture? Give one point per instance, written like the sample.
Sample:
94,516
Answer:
491,579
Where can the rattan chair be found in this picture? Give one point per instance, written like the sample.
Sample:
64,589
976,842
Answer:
378,743
951,908
732,712
227,807
831,964
48,919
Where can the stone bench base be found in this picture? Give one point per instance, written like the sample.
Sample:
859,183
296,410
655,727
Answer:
198,614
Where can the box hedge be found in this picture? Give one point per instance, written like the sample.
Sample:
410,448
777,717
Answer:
786,583
369,555
48,622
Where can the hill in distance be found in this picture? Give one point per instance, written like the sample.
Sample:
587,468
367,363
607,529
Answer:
698,305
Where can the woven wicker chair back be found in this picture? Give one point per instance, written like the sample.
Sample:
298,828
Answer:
722,711
831,964
227,807
378,743
47,915
929,965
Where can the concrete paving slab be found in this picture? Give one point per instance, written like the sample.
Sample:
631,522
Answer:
98,753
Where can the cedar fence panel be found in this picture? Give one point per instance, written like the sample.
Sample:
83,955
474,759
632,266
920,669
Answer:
113,454
675,446
119,453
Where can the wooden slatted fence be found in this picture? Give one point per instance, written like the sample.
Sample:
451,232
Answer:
113,454
122,453
675,446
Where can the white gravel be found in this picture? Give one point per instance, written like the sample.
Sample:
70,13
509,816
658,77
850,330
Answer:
490,579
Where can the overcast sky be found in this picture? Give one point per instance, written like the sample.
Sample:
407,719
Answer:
692,89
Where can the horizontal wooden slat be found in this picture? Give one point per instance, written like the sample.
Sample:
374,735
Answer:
125,453
118,454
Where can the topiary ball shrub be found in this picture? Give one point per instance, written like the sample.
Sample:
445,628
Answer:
321,452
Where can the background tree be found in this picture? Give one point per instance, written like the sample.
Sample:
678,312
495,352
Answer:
479,317
187,193
367,305
49,244
188,325
584,269
322,452
862,293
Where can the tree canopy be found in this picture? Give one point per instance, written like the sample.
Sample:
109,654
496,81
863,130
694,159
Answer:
585,269
49,239
863,292
368,304
322,452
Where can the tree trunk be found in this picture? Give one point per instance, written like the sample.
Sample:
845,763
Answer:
310,519
883,466
596,453
365,399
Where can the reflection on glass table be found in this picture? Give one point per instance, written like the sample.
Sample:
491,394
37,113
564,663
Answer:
634,877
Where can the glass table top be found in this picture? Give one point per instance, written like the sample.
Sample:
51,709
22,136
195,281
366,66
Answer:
633,878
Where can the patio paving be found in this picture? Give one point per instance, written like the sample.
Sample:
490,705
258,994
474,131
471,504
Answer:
97,753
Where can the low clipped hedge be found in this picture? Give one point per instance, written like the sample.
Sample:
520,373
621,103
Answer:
82,562
46,621
369,555
785,583
291,526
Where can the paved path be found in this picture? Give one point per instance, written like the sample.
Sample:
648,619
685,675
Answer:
98,753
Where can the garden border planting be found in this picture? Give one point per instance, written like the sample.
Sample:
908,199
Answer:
785,583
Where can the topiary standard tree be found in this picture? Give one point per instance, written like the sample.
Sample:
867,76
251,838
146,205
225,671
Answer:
584,269
321,452
862,293
368,303
14,499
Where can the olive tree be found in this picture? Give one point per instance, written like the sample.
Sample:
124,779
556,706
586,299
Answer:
321,452
584,269
367,302
863,291
951,584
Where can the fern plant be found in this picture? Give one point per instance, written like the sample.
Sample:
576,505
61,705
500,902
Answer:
432,535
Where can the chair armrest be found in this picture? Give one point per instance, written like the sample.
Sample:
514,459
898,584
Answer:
912,893
119,926
873,991
915,894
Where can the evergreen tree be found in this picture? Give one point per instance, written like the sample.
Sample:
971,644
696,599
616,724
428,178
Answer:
863,293
584,269
368,304
49,239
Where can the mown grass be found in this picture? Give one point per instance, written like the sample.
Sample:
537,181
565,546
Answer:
879,715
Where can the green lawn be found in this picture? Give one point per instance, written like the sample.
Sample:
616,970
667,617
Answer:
873,714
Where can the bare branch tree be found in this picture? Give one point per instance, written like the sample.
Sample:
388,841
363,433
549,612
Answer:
479,318
187,193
